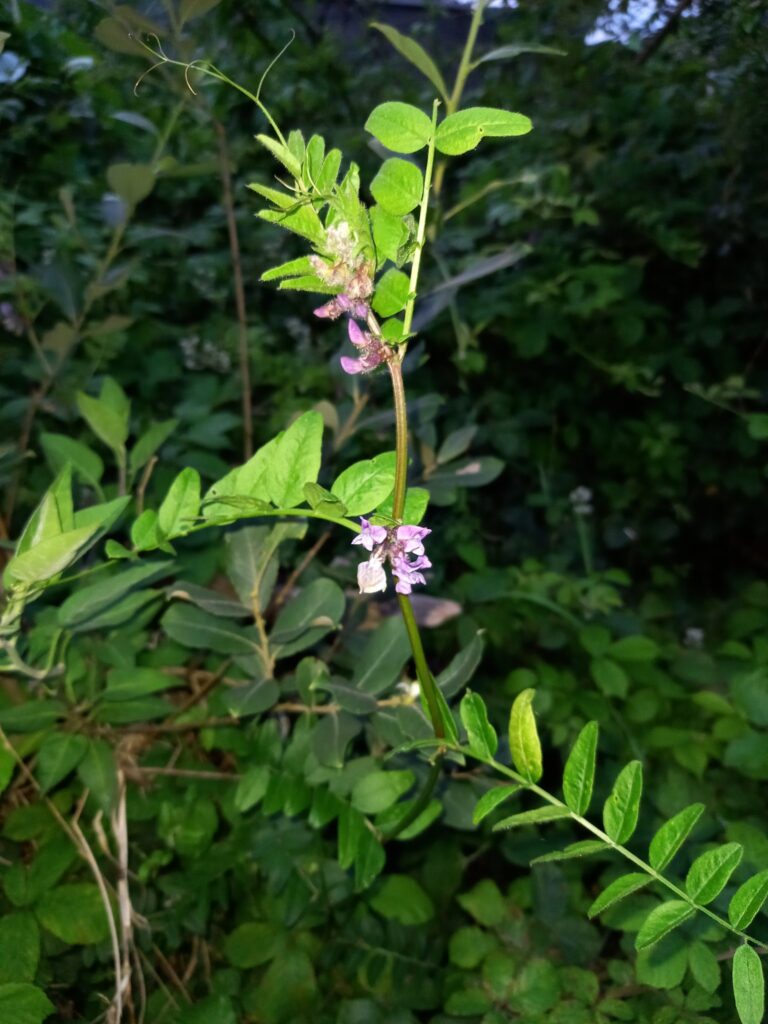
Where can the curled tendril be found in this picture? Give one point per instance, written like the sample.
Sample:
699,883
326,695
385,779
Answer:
205,67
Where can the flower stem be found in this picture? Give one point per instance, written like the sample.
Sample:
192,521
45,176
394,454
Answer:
421,232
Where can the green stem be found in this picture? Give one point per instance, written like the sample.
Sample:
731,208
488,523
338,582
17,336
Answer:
421,232
423,674
420,803
401,438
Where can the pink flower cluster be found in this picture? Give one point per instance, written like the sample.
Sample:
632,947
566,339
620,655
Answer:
400,545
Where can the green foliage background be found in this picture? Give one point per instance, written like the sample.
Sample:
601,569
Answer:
622,350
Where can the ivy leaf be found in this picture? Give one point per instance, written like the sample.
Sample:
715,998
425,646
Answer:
416,54
398,186
579,775
671,836
748,900
710,872
748,985
480,733
462,131
618,890
622,807
661,921
524,738
400,127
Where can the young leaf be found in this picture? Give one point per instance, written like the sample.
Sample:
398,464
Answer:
524,738
491,800
416,54
748,985
462,131
584,848
400,127
538,816
180,506
710,872
672,835
480,733
296,460
622,807
579,775
748,900
398,186
48,558
618,890
662,920
391,293
513,50
282,154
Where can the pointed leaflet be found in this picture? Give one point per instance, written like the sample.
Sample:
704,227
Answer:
748,985
538,816
748,900
709,873
480,733
176,515
400,127
617,890
623,805
523,737
662,920
296,460
514,50
584,848
579,775
416,54
491,800
672,835
58,756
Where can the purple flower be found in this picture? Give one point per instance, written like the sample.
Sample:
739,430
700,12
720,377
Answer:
373,351
400,545
340,304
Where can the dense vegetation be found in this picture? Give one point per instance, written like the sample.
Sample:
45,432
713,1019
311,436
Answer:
223,799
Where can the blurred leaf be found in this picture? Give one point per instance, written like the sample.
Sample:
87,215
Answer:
21,1003
416,54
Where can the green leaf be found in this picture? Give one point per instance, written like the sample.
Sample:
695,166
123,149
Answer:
59,755
286,992
317,610
635,648
24,1004
60,449
524,738
398,186
153,438
416,501
19,948
48,558
282,154
52,516
609,677
489,801
4,37
584,848
579,775
462,131
382,659
181,505
513,50
377,791
391,293
189,9
748,985
130,683
661,921
401,898
389,234
462,667
704,966
295,461
416,54
710,872
330,739
485,903
132,182
80,608
469,946
672,835
252,787
74,913
400,127
538,816
365,485
253,944
480,733
108,423
618,890
194,628
98,773
748,900
622,807
31,716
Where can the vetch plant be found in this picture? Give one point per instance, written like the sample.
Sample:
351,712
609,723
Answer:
365,260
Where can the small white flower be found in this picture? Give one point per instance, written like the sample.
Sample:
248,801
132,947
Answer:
694,637
371,577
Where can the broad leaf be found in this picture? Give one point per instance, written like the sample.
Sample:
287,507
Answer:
462,131
710,872
74,913
19,948
194,628
672,835
622,807
181,505
296,460
398,186
21,1003
400,127
391,293
377,791
661,921
59,754
524,738
365,485
382,659
579,775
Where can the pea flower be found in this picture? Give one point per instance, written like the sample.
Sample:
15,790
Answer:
373,351
400,545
